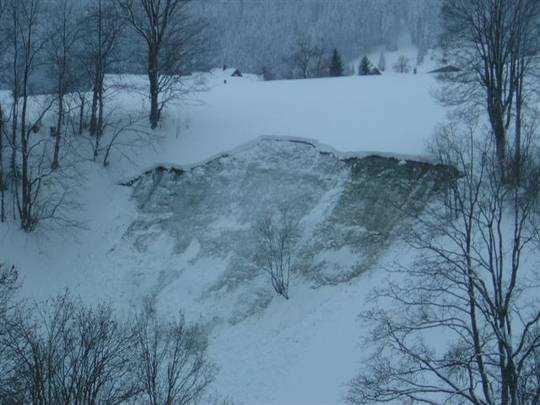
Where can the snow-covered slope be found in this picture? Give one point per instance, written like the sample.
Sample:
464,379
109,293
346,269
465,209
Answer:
181,237
188,245
349,207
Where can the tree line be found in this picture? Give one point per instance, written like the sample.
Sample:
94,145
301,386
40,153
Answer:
254,34
54,56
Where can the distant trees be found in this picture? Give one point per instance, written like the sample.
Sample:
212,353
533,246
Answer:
311,61
336,64
402,65
277,235
172,39
497,44
365,66
258,33
267,74
308,59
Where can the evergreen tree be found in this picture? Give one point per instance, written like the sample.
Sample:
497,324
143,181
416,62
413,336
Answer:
382,62
365,66
336,65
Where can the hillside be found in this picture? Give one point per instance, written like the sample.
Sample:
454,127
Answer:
178,233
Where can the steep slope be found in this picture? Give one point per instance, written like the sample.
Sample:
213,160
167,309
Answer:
194,244
349,206
181,237
180,234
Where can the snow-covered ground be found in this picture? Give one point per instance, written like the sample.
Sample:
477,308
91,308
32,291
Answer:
392,113
301,351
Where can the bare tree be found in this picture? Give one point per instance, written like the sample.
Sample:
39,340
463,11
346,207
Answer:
8,286
26,43
82,97
171,362
2,168
402,65
277,235
64,33
61,351
496,43
172,39
2,133
103,31
460,324
308,59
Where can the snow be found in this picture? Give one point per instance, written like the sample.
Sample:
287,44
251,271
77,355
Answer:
392,114
300,351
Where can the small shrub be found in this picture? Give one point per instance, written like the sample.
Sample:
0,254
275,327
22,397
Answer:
277,238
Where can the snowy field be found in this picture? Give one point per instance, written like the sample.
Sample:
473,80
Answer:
392,113
301,351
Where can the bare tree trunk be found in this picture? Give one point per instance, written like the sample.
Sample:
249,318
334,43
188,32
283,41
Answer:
26,187
518,120
14,171
2,187
99,124
82,99
100,128
499,132
58,132
94,110
153,77
170,37
96,146
98,79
